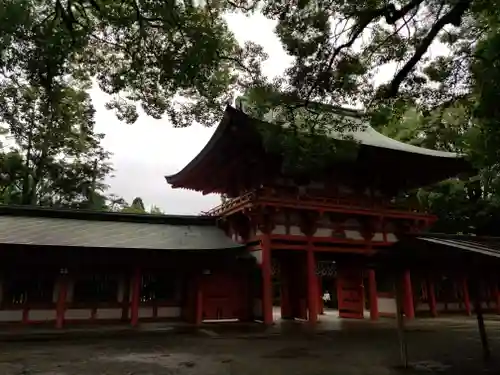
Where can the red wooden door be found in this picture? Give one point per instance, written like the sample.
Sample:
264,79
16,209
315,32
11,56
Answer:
222,297
350,293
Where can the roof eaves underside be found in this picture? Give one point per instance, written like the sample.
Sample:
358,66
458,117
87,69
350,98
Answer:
44,231
205,152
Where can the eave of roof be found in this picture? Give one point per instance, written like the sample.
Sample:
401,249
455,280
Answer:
48,212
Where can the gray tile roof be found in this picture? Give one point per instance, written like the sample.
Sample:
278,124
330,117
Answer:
485,246
48,231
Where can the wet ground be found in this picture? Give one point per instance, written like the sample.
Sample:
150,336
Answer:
449,346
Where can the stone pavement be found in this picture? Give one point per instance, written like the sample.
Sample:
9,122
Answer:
446,345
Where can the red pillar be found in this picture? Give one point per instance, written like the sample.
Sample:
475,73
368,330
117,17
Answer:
198,317
136,297
61,301
466,296
497,296
312,285
372,285
408,296
267,287
431,295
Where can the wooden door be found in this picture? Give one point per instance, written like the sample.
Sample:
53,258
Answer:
350,293
223,297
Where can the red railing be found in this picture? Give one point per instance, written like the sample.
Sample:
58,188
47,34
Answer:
268,197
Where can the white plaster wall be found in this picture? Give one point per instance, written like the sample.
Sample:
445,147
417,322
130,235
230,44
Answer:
353,235
257,255
295,230
279,229
169,312
109,313
386,305
42,315
78,314
11,315
145,312
391,237
323,232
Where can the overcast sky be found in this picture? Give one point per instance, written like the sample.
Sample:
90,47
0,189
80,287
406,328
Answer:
150,149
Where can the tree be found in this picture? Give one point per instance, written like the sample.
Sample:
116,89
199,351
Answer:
155,210
56,163
177,59
137,207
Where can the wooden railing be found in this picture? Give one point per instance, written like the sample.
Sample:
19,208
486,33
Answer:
266,196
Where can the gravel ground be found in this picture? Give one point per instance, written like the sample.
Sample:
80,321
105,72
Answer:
450,347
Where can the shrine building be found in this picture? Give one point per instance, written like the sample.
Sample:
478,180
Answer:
277,240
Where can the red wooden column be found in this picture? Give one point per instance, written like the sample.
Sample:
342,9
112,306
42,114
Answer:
312,284
496,294
198,307
408,296
431,295
267,285
466,296
372,285
136,297
61,300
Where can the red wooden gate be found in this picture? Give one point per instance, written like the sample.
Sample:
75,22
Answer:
223,297
350,293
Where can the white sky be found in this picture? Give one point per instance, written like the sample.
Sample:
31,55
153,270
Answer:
150,149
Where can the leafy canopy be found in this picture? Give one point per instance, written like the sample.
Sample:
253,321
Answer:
176,59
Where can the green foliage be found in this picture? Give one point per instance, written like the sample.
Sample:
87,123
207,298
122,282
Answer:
137,207
177,60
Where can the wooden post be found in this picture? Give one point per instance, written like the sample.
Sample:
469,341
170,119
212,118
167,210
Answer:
312,283
403,346
267,285
409,310
466,296
480,321
199,301
61,300
496,295
372,285
136,298
431,295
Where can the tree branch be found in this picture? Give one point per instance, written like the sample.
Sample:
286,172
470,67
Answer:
454,17
392,15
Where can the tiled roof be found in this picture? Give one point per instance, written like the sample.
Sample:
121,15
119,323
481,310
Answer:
57,231
487,246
